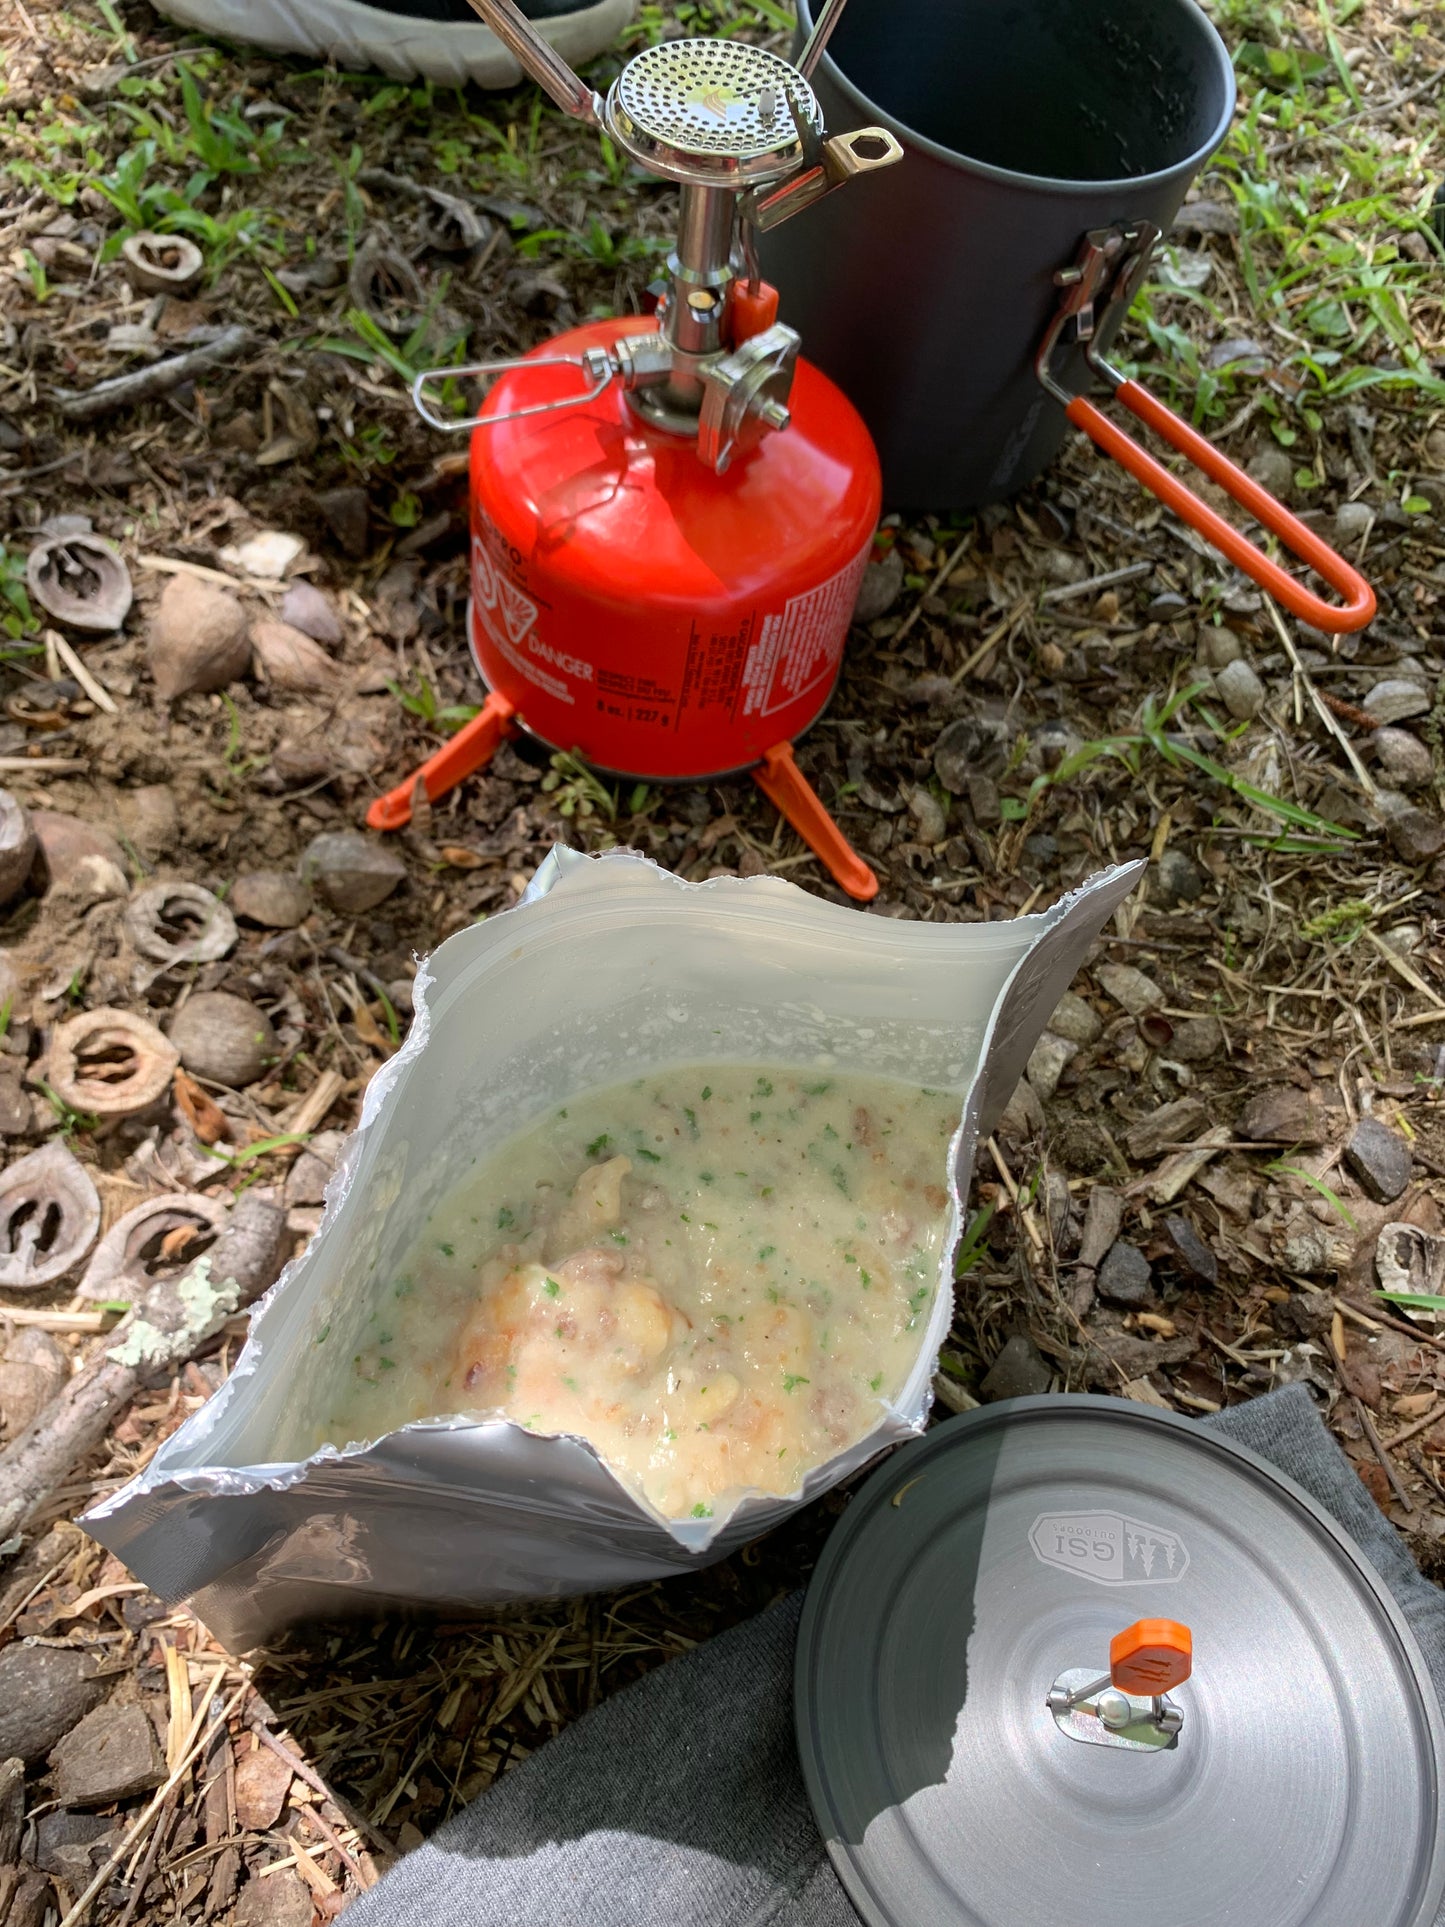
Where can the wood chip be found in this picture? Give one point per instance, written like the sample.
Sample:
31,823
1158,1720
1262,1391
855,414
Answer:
1175,1174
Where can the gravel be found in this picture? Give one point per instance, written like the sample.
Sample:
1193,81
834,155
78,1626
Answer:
1079,1022
350,871
1281,1113
305,608
1416,836
1125,1277
1403,757
1395,700
1130,988
1179,880
65,842
1048,1060
44,1690
1240,690
273,898
1379,1158
111,1755
1019,1371
1190,1250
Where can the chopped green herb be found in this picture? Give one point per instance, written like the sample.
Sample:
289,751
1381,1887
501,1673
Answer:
324,1333
708,1177
691,1116
701,1511
386,1364
505,1218
864,1278
817,1090
791,1380
706,1092
598,1145
753,1116
618,1237
447,1251
766,1253
651,1156
551,1288
875,1384
763,1088
570,1383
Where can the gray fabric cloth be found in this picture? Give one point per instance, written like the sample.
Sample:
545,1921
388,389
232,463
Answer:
679,1803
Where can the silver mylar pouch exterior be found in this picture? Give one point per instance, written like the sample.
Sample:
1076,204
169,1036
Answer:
609,968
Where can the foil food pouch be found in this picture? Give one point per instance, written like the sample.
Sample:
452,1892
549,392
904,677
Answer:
608,968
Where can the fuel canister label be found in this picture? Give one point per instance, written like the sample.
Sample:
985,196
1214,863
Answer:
801,645
510,620
1109,1549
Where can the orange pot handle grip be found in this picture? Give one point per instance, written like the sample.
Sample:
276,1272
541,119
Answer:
1358,607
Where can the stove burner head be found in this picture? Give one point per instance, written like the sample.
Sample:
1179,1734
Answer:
712,113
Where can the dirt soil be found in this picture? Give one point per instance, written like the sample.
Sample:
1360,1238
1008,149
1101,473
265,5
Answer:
1232,1136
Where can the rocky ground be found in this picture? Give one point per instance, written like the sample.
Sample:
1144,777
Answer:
1228,1143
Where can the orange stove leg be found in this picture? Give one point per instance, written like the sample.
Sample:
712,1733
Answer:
472,746
786,787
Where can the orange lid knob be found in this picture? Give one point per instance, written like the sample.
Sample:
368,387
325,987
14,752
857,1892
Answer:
1150,1656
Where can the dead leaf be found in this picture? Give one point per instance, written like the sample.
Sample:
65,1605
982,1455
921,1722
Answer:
369,1031
1413,1404
206,1119
263,1779
94,1597
460,857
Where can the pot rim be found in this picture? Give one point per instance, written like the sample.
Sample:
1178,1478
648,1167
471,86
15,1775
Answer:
1083,190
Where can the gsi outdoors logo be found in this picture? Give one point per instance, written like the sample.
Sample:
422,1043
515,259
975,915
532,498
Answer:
1109,1549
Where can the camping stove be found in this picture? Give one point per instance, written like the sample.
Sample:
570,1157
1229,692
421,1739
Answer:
671,515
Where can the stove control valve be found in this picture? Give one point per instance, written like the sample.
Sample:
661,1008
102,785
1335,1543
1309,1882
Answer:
1129,1706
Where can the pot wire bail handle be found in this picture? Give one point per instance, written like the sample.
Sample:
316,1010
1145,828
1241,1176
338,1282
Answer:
1116,259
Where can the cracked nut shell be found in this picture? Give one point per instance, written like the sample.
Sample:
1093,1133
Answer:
49,1217
110,1064
81,581
121,1265
174,923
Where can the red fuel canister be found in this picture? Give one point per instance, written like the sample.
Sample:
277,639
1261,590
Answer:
671,517
633,605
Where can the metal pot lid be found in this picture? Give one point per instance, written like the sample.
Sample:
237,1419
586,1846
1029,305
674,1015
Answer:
988,1569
